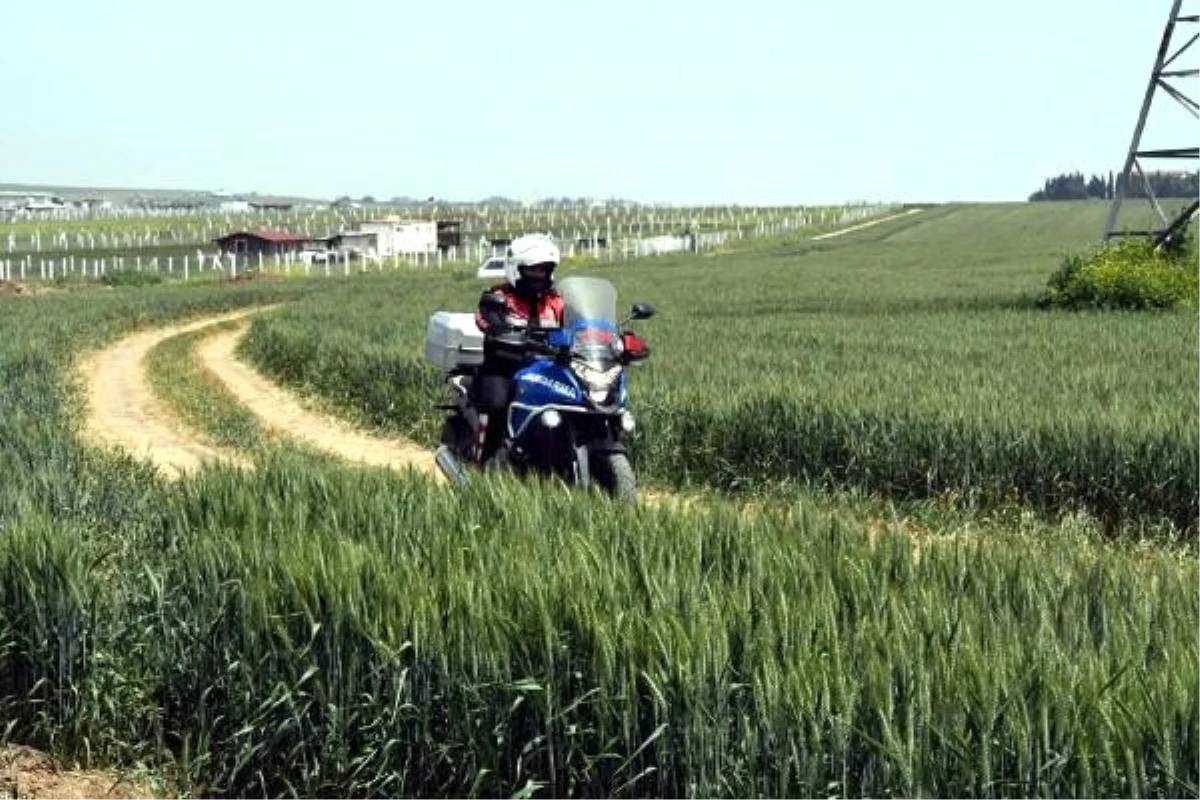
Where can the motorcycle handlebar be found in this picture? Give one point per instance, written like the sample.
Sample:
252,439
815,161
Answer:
520,342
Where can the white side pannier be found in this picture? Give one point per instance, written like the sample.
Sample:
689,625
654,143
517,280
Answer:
453,341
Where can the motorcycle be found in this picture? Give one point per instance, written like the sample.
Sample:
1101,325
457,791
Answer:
568,414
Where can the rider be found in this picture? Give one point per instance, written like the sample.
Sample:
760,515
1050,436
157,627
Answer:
526,303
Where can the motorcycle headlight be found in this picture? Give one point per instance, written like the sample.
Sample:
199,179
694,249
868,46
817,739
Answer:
601,383
596,379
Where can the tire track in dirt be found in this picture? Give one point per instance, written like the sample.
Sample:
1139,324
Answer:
279,410
124,411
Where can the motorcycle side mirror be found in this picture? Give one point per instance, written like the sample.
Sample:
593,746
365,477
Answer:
642,311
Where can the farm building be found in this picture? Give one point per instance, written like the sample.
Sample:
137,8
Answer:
269,243
354,241
270,205
449,234
32,202
394,237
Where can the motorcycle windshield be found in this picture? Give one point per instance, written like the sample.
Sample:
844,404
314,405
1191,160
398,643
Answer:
590,316
588,300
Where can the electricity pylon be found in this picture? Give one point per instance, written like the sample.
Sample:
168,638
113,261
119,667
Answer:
1161,78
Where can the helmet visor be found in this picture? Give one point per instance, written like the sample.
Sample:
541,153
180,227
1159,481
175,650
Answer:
541,270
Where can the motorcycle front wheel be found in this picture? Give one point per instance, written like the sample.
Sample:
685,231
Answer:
613,473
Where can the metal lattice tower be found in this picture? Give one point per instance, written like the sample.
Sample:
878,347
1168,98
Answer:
1160,81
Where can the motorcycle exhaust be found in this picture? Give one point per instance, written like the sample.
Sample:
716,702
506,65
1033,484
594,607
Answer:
451,467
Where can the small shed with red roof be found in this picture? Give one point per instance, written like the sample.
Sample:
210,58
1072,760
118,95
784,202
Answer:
267,242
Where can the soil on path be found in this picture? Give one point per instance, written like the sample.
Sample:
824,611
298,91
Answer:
123,410
280,411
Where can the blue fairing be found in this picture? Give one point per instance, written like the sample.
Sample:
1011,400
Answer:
547,384
544,383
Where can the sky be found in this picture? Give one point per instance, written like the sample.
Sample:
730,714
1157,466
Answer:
779,102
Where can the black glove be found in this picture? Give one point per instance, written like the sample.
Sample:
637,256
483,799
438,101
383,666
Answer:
494,310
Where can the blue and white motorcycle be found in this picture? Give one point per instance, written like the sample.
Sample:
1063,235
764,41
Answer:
568,416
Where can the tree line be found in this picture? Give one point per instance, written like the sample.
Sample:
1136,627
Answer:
1073,186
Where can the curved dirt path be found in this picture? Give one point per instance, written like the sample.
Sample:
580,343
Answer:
124,411
279,410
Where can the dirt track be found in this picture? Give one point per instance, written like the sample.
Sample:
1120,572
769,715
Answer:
279,410
124,412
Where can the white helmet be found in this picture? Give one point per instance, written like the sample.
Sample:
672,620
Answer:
529,250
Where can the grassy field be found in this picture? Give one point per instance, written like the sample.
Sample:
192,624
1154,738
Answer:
310,629
905,360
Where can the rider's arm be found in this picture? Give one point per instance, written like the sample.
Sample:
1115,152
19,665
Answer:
502,339
491,316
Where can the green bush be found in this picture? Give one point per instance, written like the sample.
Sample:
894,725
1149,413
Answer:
1126,275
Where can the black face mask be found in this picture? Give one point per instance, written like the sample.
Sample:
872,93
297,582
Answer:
532,286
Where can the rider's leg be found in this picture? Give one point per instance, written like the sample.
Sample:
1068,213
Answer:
493,413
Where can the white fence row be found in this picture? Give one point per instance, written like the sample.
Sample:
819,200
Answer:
213,214
564,225
31,267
